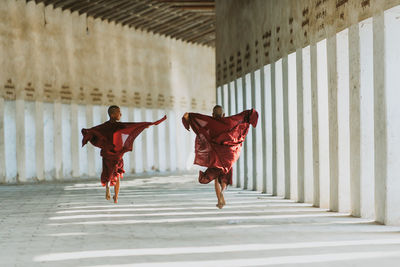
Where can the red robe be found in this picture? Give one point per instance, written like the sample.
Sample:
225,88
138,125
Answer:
219,142
114,139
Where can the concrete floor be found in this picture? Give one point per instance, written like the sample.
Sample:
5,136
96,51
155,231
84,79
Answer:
173,221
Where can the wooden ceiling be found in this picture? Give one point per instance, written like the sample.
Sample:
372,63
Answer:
188,20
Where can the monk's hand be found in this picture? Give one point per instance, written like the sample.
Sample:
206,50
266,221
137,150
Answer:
186,116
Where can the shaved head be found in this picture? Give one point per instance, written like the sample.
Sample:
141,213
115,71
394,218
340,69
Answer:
218,111
114,112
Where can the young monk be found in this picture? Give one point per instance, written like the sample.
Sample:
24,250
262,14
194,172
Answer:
218,144
114,138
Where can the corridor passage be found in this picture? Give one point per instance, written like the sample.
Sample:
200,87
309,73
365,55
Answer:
173,221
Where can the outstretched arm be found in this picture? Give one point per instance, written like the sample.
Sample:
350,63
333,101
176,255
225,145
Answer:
185,121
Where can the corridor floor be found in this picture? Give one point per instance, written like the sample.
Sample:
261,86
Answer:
173,221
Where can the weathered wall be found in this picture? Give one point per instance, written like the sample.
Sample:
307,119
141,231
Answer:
51,55
253,33
60,71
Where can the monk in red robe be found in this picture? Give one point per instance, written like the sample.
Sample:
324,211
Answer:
218,144
114,138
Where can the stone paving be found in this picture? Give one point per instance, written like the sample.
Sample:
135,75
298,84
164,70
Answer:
173,221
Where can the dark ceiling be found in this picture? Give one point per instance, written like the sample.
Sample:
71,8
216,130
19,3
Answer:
187,20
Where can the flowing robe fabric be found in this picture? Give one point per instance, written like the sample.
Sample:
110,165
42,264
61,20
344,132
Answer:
219,142
114,139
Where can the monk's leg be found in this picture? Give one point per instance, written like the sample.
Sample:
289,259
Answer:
218,193
116,191
108,194
223,187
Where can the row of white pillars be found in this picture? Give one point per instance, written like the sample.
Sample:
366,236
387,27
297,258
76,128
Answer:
42,141
329,122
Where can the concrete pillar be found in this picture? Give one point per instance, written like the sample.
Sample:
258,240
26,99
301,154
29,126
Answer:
219,96
139,144
2,147
387,114
30,141
333,124
239,108
232,111
127,156
308,160
263,119
168,155
380,130
343,117
39,140
180,161
90,149
274,159
324,122
132,158
156,141
292,114
20,141
366,151
225,98
354,120
315,124
75,141
232,99
49,137
247,144
286,137
255,86
268,144
300,126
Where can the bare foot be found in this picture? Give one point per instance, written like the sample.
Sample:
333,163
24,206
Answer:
108,194
115,199
223,199
220,204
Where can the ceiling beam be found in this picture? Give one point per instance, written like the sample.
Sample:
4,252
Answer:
100,6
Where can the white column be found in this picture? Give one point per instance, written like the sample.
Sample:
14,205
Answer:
132,158
179,138
343,120
315,124
308,127
379,117
257,144
74,141
286,138
366,121
354,120
323,121
2,148
263,123
39,140
49,147
268,128
20,141
58,141
387,114
300,126
156,144
280,132
293,128
233,111
149,143
239,108
168,155
173,161
333,124
90,149
274,159
247,143
139,144
219,96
